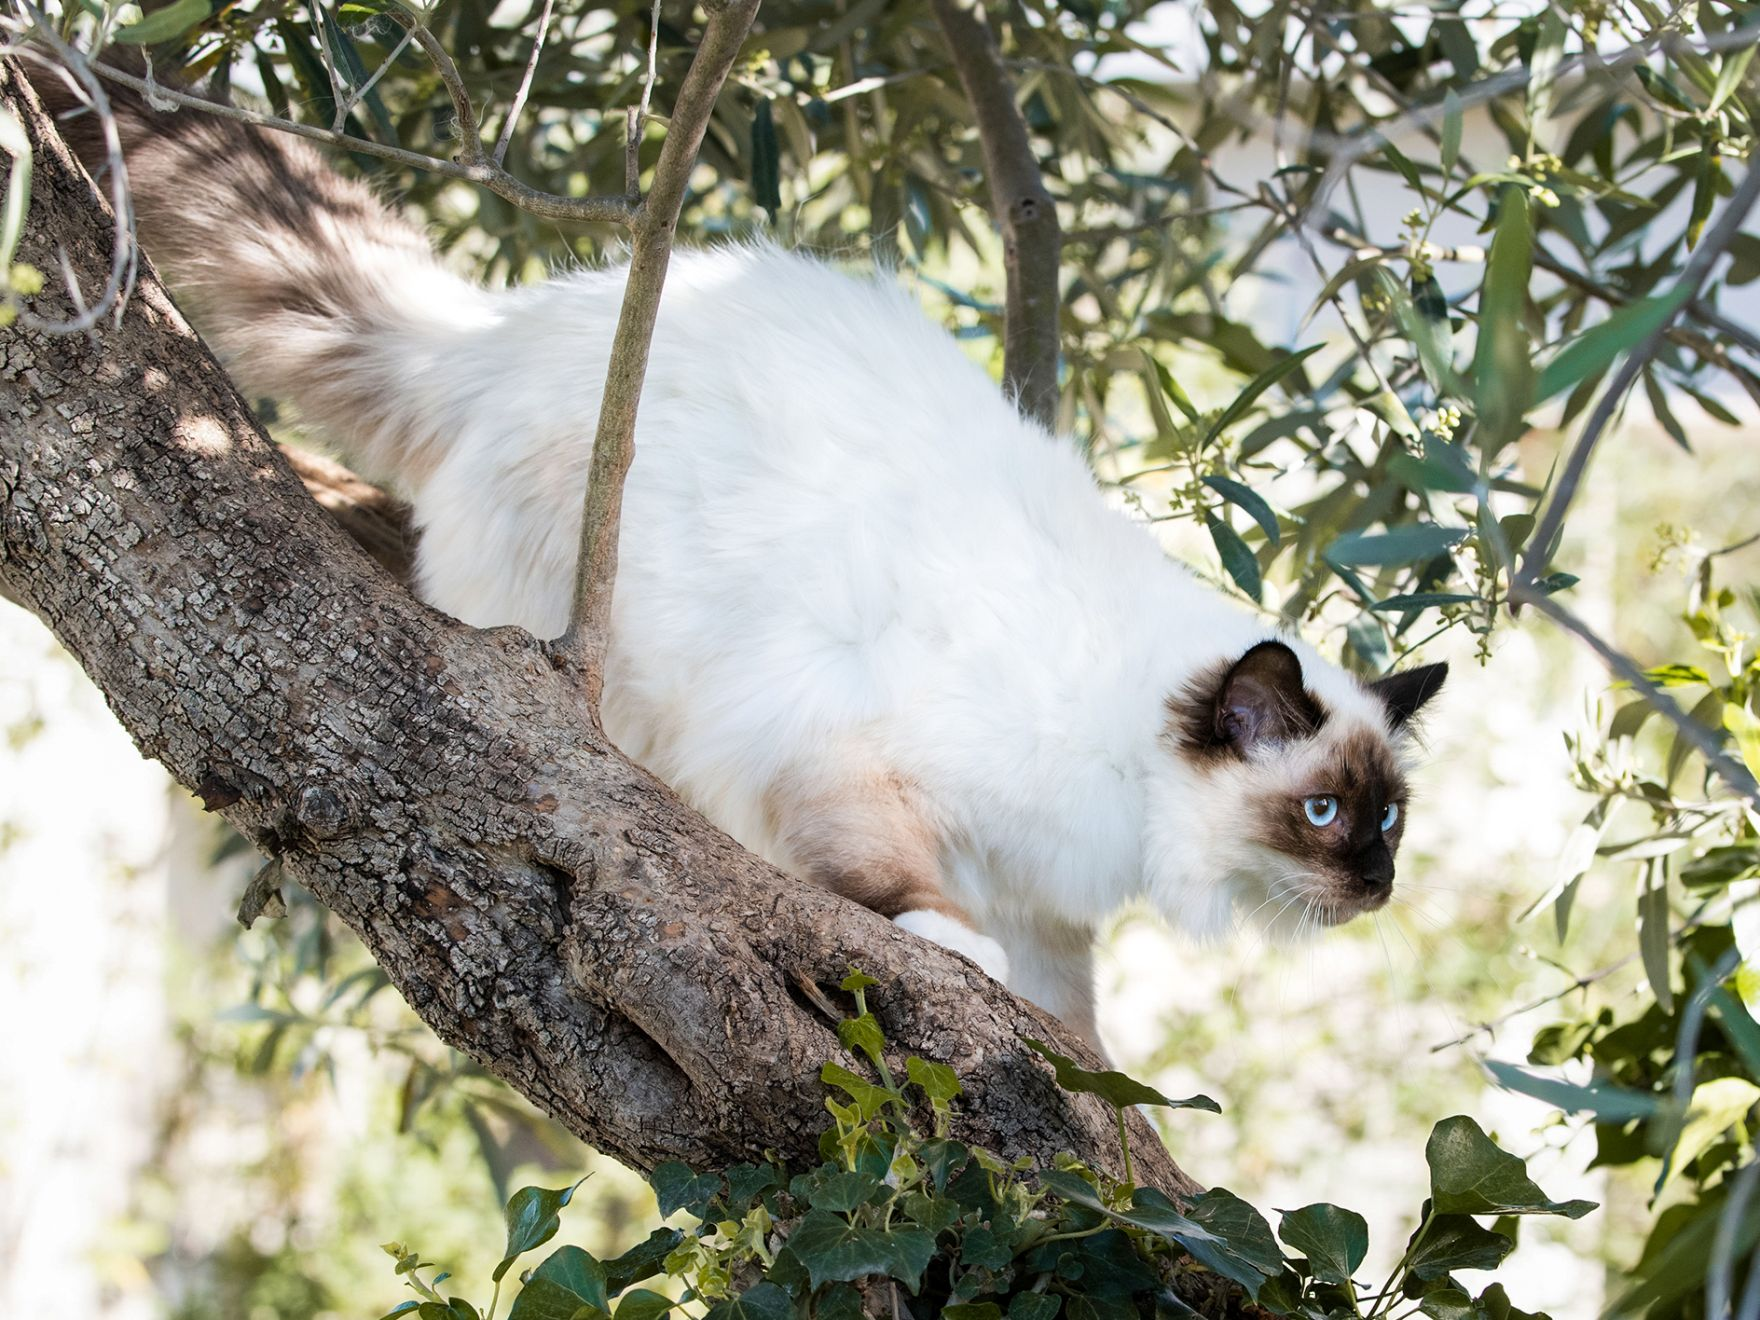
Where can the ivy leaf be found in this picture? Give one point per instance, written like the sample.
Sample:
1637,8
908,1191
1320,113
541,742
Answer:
677,1188
1113,1087
641,1261
1249,1253
533,1216
568,1280
764,1302
857,980
1034,1306
936,1080
1470,1175
1334,1240
869,1098
1453,1242
972,1311
644,1304
837,1251
862,1034
747,1182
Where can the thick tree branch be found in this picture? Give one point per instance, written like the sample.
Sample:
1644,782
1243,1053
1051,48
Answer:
651,232
544,905
1032,241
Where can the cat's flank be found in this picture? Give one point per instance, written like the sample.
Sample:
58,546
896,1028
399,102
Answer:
868,620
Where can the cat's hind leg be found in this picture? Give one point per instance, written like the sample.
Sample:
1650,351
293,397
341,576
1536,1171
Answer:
868,837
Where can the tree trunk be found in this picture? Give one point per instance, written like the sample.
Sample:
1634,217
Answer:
546,906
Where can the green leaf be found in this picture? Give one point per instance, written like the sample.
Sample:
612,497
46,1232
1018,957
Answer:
1171,388
1729,75
1423,318
1470,1175
1613,1104
857,980
568,1279
1257,386
1745,729
643,1304
1115,1088
837,1251
936,1080
862,1034
1334,1240
1235,556
1408,544
1653,936
1715,1108
1422,600
766,160
1446,1243
1451,132
764,1302
533,1216
1596,348
164,24
1249,1254
1034,1306
1503,370
869,1098
677,1188
1450,1304
1248,499
645,1259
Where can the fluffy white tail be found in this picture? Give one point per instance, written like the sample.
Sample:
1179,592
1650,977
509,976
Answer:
310,288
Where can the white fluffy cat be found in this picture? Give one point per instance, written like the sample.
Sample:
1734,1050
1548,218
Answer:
868,620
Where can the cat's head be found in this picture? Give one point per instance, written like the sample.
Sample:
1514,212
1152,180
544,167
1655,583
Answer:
1279,792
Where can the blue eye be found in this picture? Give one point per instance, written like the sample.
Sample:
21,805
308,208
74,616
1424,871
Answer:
1322,811
1390,817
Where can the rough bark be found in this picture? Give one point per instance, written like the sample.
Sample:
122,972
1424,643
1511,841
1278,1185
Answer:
545,906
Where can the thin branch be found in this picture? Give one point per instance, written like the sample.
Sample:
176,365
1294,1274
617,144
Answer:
1025,212
124,251
636,120
360,93
339,90
1730,771
525,88
1692,278
549,206
651,231
463,111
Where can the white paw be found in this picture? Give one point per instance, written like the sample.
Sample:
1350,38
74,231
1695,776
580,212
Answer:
959,937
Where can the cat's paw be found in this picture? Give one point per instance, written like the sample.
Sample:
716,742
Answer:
959,937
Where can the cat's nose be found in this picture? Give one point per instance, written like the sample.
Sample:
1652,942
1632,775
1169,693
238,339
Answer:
1375,868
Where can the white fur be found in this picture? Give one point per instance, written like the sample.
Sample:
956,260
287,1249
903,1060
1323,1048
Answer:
841,546
959,937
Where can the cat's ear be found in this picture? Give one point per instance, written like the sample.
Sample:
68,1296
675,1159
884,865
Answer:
1405,693
1259,698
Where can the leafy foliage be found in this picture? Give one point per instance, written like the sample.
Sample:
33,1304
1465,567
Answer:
967,1236
1668,1077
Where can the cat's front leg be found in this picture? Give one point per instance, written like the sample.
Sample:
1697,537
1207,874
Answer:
953,933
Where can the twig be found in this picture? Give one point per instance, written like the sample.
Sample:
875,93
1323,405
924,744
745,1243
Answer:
1693,275
1727,769
360,93
1032,242
525,88
339,91
637,116
124,251
651,229
549,206
463,111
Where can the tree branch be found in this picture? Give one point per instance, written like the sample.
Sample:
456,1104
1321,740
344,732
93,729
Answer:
651,232
1032,241
1542,543
545,906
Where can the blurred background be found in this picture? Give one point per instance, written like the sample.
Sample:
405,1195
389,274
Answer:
201,1122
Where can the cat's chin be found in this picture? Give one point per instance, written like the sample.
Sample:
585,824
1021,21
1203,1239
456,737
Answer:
1336,912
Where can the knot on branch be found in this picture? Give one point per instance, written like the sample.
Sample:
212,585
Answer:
321,812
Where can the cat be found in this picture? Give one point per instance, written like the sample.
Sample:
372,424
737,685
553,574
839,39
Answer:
881,629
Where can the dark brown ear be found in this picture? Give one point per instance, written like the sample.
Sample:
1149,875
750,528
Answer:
1261,699
1405,693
